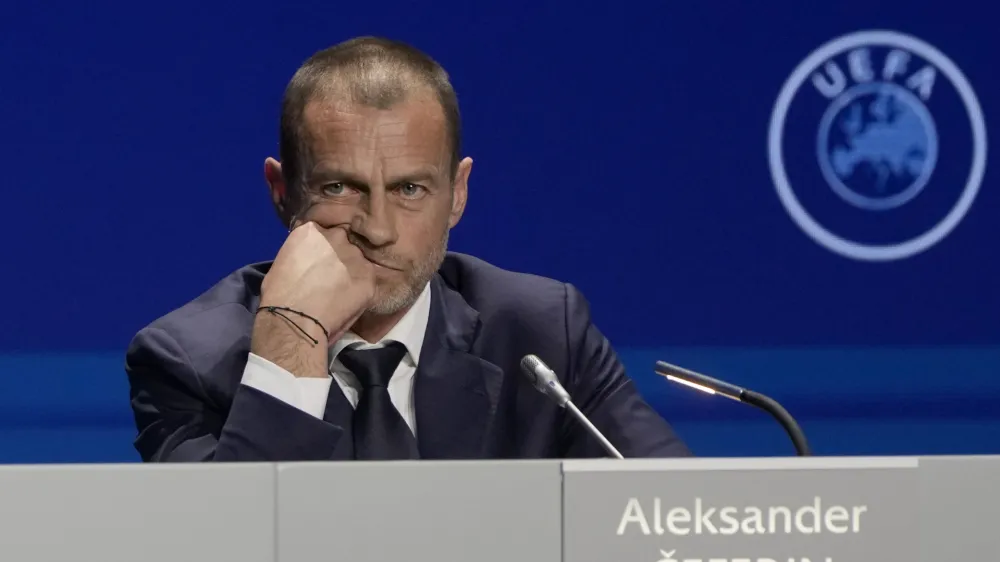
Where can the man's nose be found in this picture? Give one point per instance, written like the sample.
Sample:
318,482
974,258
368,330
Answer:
375,221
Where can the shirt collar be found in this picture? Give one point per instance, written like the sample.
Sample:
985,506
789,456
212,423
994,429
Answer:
409,331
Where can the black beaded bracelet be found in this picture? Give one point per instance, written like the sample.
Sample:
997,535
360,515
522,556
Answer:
276,310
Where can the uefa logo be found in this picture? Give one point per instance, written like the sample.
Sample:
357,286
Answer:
877,146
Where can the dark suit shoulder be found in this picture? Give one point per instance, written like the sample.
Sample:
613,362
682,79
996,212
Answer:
519,313
492,290
210,335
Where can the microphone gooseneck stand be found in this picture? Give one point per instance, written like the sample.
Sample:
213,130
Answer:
711,385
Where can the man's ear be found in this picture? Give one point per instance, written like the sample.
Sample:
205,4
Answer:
460,191
278,188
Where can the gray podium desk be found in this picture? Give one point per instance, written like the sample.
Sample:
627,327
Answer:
136,513
423,511
895,509
902,509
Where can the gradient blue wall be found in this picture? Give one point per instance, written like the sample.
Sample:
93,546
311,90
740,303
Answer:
622,147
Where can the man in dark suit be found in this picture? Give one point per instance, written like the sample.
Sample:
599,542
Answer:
365,338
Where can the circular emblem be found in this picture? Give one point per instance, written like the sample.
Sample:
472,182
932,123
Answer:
877,146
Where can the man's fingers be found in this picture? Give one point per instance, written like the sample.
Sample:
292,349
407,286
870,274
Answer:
336,235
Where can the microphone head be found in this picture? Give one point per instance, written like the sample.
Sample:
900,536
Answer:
530,365
542,378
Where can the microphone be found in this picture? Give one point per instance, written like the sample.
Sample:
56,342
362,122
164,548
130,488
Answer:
707,384
543,379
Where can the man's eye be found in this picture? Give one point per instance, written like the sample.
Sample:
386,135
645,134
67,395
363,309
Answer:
333,189
411,190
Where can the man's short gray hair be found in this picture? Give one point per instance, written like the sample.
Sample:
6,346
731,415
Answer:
369,71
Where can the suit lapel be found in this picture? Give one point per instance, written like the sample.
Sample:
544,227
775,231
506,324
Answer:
455,392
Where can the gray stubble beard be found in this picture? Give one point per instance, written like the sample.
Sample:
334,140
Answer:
403,296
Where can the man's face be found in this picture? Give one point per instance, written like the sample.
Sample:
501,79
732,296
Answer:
384,173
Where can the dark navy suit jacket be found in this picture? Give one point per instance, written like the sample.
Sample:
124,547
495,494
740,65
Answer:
471,400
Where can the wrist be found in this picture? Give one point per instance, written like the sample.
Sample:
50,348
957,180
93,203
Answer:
303,323
297,346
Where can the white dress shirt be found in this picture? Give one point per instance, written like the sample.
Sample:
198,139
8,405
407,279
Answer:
310,394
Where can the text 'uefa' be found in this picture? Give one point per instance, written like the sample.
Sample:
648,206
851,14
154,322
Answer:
861,68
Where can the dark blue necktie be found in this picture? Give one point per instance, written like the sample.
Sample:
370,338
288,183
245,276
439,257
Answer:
380,433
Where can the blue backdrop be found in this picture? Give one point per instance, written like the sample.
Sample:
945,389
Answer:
661,156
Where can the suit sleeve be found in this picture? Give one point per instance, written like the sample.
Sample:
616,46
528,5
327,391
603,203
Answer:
604,393
178,421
